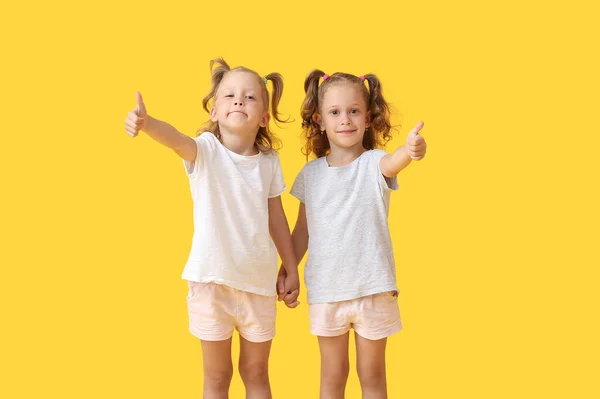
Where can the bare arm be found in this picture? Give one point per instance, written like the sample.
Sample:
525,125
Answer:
138,120
300,234
168,136
280,232
392,164
413,150
300,245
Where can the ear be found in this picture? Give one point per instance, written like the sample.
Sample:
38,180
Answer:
213,114
264,122
318,120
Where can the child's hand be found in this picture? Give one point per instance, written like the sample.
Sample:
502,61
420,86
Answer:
415,143
135,119
288,288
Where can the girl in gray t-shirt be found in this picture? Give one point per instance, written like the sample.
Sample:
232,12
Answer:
344,200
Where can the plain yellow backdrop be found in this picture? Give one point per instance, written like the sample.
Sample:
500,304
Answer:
495,231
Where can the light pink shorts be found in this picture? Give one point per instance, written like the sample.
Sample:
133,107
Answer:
372,317
215,310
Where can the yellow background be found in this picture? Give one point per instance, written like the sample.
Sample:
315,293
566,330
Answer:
495,231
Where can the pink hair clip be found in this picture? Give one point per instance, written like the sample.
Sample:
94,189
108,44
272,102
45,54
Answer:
362,78
325,77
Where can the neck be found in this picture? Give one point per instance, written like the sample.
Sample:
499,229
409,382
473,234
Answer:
240,143
339,156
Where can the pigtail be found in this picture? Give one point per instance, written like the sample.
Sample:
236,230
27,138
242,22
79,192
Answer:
217,76
310,105
277,82
379,130
316,143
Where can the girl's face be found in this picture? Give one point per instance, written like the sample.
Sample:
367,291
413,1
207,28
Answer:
239,105
344,116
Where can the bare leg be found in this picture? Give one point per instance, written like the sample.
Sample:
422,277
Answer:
218,368
254,368
334,366
370,364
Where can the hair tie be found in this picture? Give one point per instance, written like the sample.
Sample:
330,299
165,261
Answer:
325,77
362,78
265,80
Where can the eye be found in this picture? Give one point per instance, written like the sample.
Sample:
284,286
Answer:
334,112
229,95
250,97
354,111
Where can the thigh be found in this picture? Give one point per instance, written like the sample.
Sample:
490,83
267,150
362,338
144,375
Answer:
370,355
216,357
254,354
334,353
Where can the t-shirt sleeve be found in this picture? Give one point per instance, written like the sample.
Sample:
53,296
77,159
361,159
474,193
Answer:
298,186
385,183
278,186
204,147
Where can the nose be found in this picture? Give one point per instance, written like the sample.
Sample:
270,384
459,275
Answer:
345,119
238,102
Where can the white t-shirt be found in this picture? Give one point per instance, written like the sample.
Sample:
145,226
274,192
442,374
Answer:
349,246
231,243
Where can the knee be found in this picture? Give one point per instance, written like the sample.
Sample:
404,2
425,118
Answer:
371,376
335,374
254,372
218,379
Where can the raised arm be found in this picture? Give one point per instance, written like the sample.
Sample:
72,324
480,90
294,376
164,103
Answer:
413,150
138,120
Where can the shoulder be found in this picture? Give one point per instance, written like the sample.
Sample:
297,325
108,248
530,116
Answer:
208,140
311,166
372,157
314,164
377,154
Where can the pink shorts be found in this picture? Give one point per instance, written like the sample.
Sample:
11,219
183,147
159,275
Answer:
215,310
372,317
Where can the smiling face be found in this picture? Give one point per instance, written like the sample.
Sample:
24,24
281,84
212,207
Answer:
343,115
240,106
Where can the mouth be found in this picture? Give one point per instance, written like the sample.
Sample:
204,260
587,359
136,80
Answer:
346,131
237,112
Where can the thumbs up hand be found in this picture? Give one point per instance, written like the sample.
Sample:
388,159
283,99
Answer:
135,120
415,143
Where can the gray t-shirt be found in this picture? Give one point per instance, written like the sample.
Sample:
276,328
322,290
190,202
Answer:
349,247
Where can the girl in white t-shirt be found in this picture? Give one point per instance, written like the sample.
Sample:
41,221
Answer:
344,193
236,182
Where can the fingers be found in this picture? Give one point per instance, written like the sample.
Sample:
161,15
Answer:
280,288
291,299
292,305
415,130
415,143
281,275
133,123
416,155
141,107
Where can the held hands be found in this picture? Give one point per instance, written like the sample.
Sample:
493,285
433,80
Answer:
288,288
415,143
135,120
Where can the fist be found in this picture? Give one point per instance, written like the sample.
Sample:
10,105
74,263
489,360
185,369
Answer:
288,288
135,119
415,143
